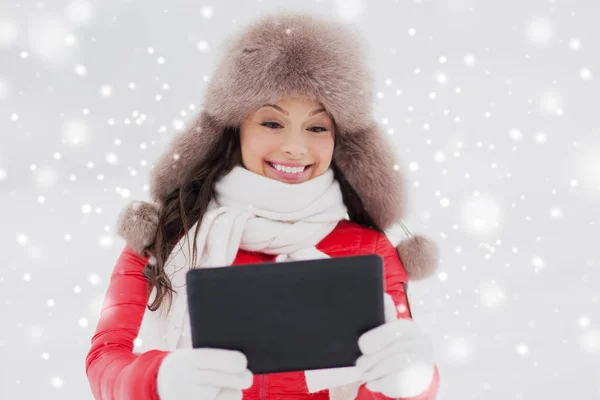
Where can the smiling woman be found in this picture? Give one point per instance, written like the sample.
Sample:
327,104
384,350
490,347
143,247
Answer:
291,141
284,162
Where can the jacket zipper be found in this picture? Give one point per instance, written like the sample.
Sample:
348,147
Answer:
262,388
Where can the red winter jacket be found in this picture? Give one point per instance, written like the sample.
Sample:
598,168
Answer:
116,373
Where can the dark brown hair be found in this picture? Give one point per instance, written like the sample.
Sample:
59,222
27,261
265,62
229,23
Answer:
187,205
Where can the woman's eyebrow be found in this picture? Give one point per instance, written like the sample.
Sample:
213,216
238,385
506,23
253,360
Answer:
275,106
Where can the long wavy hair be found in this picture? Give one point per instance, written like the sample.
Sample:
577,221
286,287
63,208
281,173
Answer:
187,205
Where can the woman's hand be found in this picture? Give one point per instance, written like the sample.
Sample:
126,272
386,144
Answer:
397,358
208,374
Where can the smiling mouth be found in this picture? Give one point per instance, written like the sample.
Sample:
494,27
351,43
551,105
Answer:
289,170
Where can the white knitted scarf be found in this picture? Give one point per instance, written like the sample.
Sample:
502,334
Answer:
255,213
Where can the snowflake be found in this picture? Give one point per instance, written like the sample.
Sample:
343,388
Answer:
57,382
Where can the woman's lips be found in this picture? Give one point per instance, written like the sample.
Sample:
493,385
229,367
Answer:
290,176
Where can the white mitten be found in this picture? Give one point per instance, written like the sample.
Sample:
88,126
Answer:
210,374
397,358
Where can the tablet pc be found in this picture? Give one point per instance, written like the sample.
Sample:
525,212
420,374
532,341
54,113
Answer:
288,316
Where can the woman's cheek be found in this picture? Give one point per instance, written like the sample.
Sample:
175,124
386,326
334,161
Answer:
325,147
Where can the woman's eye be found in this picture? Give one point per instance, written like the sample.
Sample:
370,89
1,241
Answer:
269,124
275,125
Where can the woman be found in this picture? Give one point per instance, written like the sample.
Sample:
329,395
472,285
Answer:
283,163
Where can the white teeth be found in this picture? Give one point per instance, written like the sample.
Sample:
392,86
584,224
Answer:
292,170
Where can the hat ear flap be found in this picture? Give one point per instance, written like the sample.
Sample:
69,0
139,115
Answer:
419,255
138,224
138,221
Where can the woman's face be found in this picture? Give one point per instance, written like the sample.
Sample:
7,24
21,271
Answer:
290,141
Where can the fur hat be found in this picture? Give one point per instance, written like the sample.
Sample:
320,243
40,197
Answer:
292,54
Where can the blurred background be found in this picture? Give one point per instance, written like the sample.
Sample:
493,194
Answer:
492,107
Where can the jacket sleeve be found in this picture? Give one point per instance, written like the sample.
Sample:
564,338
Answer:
114,372
395,286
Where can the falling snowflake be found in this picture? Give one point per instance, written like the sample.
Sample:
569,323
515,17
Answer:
469,60
349,10
178,124
551,102
522,350
106,91
541,137
35,332
57,382
556,212
106,241
111,158
516,134
80,70
80,11
47,40
207,12
584,321
481,215
491,294
538,263
575,44
585,74
75,133
9,33
22,239
94,279
540,31
460,350
441,78
203,46
46,178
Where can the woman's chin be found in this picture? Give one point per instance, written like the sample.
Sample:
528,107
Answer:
287,180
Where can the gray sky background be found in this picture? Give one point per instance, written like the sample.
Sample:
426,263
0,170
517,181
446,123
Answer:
493,110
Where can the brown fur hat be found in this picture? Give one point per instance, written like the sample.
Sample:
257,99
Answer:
294,54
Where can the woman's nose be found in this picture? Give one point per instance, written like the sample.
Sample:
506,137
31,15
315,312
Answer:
295,144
